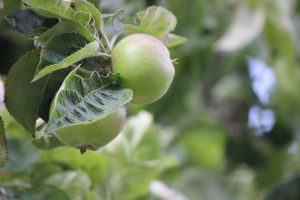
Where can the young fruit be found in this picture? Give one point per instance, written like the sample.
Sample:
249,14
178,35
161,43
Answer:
144,65
93,135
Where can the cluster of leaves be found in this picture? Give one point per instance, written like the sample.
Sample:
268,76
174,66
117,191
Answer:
56,69
64,173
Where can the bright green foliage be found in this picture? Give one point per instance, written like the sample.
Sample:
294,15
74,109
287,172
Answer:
72,49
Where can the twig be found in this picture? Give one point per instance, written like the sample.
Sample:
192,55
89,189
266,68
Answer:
105,39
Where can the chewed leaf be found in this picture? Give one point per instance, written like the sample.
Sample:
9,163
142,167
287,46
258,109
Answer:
3,145
66,27
85,100
58,9
63,50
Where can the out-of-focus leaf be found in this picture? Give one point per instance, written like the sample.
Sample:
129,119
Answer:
74,183
44,192
81,100
208,151
171,40
59,9
93,163
26,20
62,51
9,6
246,26
21,155
3,145
158,22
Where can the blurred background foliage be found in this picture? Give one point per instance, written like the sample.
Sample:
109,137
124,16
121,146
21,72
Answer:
227,129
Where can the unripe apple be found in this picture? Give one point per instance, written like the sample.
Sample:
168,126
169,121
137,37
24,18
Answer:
145,67
93,135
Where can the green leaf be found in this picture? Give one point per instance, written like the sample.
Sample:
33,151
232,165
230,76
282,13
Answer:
85,6
3,145
63,50
36,33
8,7
96,3
95,164
85,100
26,20
22,97
247,24
156,21
47,142
74,183
24,100
171,40
44,192
21,155
59,9
66,27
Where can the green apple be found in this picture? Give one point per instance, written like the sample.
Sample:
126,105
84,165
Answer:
93,135
145,67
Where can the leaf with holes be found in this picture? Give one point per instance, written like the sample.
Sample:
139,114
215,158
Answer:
62,51
84,100
3,145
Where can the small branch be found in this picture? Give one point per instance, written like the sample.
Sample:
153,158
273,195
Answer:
105,39
103,55
114,38
100,43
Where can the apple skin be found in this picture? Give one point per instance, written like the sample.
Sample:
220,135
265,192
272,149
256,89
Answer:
93,135
145,67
